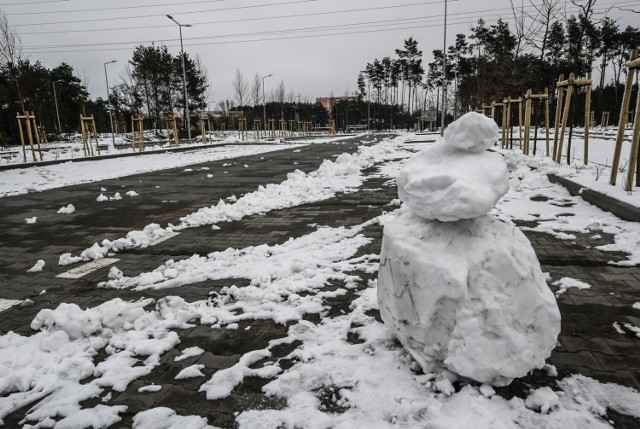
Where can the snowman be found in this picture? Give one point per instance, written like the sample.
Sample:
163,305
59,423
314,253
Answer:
462,290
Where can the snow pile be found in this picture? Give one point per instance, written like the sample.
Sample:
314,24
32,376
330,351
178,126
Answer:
191,372
37,267
31,220
189,353
467,295
166,418
566,283
543,400
62,355
67,209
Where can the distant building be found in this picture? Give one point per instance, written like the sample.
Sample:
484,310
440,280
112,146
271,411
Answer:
329,102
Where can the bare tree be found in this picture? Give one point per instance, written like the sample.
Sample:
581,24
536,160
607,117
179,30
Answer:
255,89
205,76
546,12
222,107
10,43
10,53
520,26
280,95
291,97
241,88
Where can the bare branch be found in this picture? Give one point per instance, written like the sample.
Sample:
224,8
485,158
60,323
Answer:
240,87
10,43
255,89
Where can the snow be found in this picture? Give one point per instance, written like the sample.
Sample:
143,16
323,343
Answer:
224,381
166,418
67,259
566,283
543,399
332,177
102,198
533,198
447,184
31,220
192,371
40,178
69,209
61,358
473,132
37,267
636,305
189,353
467,294
78,354
150,389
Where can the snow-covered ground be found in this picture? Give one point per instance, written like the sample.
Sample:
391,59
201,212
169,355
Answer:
39,178
72,147
376,383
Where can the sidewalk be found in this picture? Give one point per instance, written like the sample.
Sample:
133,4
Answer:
589,343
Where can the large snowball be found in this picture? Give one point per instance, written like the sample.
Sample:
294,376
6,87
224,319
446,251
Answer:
469,296
448,184
473,132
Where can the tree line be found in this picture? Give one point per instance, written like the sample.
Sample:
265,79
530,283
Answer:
499,60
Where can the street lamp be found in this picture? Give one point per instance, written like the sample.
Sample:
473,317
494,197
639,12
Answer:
184,77
106,79
369,109
55,99
444,72
264,102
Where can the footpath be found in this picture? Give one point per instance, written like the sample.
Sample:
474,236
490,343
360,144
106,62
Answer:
589,344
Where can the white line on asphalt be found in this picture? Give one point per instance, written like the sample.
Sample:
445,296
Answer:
165,237
87,268
5,304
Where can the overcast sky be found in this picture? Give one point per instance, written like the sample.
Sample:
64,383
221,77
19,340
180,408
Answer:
314,46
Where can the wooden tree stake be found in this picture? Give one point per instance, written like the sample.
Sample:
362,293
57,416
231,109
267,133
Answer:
624,116
558,113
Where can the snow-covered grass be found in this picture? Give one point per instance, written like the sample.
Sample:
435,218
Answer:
533,198
597,173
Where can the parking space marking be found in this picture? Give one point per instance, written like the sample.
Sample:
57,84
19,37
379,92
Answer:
165,237
87,268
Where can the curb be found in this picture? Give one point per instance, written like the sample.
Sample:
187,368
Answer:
618,208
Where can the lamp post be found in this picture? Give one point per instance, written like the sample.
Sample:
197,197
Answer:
444,72
264,103
106,79
55,99
184,77
369,109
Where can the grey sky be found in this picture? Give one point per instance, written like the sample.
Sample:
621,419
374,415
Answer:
301,42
